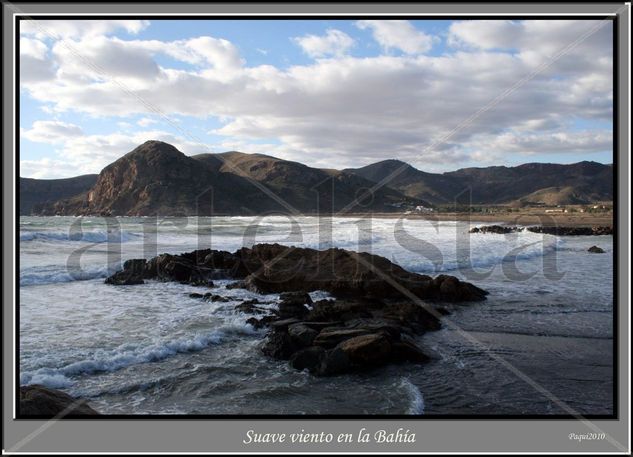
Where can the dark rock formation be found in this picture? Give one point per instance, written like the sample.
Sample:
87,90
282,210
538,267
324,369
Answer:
572,231
37,400
497,229
550,230
595,250
370,323
344,336
273,268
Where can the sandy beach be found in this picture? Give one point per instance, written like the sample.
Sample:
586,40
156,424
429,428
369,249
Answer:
518,218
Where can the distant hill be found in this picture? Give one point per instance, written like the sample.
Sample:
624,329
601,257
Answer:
552,184
433,187
300,185
157,179
37,192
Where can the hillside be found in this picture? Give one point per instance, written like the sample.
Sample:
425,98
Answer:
37,192
157,179
532,183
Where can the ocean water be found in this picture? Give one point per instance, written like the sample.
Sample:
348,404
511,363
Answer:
541,344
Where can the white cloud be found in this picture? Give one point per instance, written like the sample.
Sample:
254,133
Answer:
59,29
349,111
146,121
397,34
512,142
47,168
34,65
573,43
83,154
333,43
33,48
51,132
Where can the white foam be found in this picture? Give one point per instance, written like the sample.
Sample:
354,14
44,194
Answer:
128,354
416,400
51,274
94,236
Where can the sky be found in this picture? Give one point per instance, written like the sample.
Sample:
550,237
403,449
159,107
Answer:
438,94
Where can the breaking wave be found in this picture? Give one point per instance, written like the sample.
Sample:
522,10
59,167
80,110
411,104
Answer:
96,236
128,354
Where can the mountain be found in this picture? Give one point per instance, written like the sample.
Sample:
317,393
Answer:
578,183
435,188
34,193
305,187
531,183
157,179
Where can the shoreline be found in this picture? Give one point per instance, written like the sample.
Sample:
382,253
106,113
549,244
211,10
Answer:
532,218
547,220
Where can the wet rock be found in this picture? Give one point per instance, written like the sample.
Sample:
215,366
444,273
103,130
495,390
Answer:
318,326
377,304
37,400
411,315
595,250
496,229
260,323
331,336
572,231
124,278
450,289
406,350
195,295
340,272
388,327
301,335
330,310
334,363
249,307
442,310
278,345
309,358
216,298
202,283
367,351
236,285
283,324
292,304
295,298
290,310
273,268
135,266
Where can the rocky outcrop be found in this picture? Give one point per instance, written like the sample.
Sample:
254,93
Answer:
595,250
345,336
273,268
572,231
37,400
371,322
549,230
497,229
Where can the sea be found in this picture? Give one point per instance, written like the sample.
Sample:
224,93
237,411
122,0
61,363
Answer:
541,344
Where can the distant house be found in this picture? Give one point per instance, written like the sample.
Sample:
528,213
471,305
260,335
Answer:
423,209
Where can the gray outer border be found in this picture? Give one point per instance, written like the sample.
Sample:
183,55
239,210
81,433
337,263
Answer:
226,435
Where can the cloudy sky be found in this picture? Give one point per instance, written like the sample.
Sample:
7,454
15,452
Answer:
438,94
